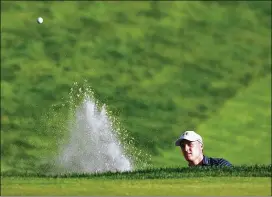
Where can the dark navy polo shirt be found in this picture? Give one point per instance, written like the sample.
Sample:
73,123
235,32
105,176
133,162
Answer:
209,161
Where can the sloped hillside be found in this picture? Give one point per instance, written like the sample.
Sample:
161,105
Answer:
160,67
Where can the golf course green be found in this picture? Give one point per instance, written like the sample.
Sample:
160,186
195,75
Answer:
226,186
242,180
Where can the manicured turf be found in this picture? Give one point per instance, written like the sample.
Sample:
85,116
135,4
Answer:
216,186
238,180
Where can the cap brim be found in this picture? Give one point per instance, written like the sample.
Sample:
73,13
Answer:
178,142
180,139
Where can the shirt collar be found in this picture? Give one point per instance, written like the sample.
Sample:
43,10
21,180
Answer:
205,160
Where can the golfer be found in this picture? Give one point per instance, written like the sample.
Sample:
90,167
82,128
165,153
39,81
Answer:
191,145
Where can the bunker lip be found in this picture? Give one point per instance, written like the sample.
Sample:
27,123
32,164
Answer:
159,173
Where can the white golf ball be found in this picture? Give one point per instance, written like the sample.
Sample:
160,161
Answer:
40,20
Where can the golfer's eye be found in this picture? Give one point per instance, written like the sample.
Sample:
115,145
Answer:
192,144
189,144
182,146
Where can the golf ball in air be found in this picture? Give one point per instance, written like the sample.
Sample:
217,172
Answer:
40,20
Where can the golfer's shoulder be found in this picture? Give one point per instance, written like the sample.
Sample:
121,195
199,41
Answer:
213,161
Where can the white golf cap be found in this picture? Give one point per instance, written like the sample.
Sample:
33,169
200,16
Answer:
190,136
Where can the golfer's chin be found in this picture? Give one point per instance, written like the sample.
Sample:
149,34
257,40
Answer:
189,157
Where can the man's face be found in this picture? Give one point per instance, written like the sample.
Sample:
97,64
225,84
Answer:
191,150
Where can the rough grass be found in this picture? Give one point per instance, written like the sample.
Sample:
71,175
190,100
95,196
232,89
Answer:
160,173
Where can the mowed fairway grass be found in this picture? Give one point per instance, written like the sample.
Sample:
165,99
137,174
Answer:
244,180
219,186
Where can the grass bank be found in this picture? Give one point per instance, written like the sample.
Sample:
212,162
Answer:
160,67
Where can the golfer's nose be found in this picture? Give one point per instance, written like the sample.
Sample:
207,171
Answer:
186,147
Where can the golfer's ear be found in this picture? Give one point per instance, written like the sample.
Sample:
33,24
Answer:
202,146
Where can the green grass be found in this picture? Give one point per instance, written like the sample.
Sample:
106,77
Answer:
244,120
160,67
227,186
239,180
159,173
242,124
